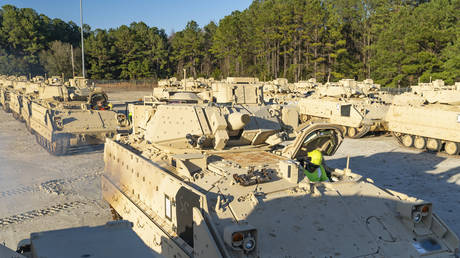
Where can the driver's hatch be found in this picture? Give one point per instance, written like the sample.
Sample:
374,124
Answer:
324,137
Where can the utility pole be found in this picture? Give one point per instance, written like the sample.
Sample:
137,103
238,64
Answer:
82,42
185,79
73,63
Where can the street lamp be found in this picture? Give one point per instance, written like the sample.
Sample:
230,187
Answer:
82,41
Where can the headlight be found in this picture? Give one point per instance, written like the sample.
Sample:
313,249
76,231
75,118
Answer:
420,212
241,237
416,217
249,244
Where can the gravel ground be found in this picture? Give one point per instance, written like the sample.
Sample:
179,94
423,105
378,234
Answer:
39,191
42,192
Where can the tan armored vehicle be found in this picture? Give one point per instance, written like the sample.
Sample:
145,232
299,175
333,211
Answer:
280,91
63,116
305,86
345,106
15,93
116,239
239,90
425,123
279,85
6,84
195,85
173,96
221,181
171,82
438,92
431,86
78,82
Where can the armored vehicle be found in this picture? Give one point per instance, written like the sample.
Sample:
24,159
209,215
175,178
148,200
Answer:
116,239
425,123
63,116
171,82
348,107
5,88
279,85
307,85
436,91
220,181
31,93
169,95
15,93
281,91
238,90
430,86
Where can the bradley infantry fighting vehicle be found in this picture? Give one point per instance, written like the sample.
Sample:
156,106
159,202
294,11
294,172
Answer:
15,95
63,116
224,181
428,120
5,88
349,107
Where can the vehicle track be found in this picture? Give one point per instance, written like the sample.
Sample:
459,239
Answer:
55,186
28,215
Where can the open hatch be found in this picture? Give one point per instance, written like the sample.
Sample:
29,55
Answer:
324,137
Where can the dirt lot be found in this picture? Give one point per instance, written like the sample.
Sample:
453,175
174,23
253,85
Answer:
42,192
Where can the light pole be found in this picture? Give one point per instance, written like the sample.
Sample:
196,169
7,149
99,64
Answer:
82,42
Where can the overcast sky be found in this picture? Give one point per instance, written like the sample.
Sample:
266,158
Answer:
166,14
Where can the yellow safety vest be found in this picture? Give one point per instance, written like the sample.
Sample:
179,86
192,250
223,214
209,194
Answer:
318,175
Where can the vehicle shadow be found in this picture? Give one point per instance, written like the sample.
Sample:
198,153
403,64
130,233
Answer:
421,175
85,149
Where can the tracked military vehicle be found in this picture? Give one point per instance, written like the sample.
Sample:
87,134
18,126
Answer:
345,106
247,90
30,94
280,91
437,91
223,181
5,88
63,116
15,96
279,85
430,121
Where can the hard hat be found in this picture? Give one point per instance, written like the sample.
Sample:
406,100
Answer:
315,157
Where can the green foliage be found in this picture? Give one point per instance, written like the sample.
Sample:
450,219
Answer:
57,60
393,42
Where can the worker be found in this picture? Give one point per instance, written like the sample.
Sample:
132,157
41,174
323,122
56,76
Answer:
314,168
100,105
130,117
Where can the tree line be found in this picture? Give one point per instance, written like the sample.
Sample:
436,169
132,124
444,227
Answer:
394,42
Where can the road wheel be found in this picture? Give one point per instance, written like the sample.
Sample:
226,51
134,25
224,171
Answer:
451,148
433,145
352,132
407,140
37,138
420,142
